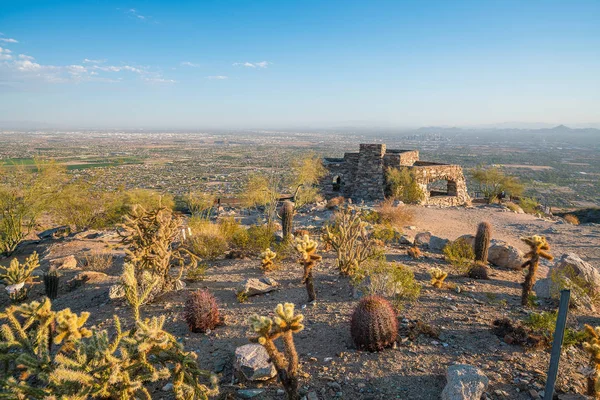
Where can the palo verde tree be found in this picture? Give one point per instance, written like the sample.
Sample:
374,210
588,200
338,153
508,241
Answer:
492,181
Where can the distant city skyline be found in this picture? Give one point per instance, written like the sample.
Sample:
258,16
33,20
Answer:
272,64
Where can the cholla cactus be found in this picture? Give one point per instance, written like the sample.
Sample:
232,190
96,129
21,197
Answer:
350,238
284,324
538,247
88,364
267,258
309,259
592,347
154,245
137,290
18,277
437,277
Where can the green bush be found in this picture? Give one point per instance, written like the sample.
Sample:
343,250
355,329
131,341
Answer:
385,233
149,199
402,185
460,254
261,237
391,280
544,324
529,205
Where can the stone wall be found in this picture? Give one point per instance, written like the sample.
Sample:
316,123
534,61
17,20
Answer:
369,179
456,188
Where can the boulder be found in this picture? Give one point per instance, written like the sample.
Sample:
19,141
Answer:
572,265
256,286
422,239
437,243
405,240
252,362
470,239
503,255
464,382
60,231
549,288
68,262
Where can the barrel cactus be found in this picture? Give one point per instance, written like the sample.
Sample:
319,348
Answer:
374,325
482,241
287,218
201,311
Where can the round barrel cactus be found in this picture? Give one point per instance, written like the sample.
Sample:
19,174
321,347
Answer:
201,311
374,325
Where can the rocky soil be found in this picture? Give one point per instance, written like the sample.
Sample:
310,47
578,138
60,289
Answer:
330,365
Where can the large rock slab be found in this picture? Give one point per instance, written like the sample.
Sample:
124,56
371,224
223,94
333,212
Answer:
437,243
90,278
571,265
256,286
549,288
253,363
66,263
503,255
464,382
422,239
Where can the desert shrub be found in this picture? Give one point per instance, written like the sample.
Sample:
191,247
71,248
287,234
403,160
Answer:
201,311
492,181
241,240
197,273
261,237
97,261
153,245
229,226
18,277
460,254
262,191
24,195
335,202
352,240
529,205
208,246
397,216
414,252
148,199
512,206
83,206
308,195
385,233
199,204
571,219
391,280
544,324
568,278
285,250
402,185
90,363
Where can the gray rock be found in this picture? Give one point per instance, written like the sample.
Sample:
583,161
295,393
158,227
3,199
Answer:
252,362
464,382
168,387
571,264
54,232
90,277
422,239
405,240
470,239
543,288
256,286
312,396
437,243
503,255
249,393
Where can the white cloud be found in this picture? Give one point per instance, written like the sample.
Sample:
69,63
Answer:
25,57
217,77
8,40
260,64
158,79
135,14
114,68
189,64
5,54
27,65
88,61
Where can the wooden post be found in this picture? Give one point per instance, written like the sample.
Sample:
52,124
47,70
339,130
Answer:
559,334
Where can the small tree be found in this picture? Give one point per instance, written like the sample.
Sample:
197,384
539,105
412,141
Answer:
200,204
306,174
493,181
263,190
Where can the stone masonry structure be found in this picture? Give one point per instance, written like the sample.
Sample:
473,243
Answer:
361,176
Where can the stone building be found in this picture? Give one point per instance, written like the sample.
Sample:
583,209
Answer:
361,176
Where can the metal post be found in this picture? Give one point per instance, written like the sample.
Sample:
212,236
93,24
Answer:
559,334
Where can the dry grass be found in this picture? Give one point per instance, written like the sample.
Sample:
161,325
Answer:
97,261
397,216
335,202
572,219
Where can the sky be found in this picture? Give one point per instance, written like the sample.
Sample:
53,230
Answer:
283,64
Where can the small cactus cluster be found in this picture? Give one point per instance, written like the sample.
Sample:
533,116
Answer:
287,218
592,347
374,325
18,277
267,260
538,248
482,242
201,312
284,325
437,277
308,258
88,363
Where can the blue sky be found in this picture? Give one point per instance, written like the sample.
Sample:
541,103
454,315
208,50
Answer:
270,64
